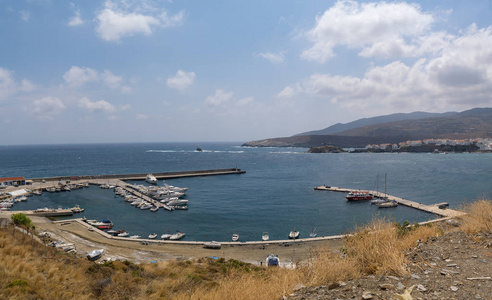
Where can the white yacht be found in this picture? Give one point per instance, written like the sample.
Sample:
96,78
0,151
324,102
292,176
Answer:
151,179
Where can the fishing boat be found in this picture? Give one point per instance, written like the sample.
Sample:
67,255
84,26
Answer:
265,237
235,237
165,236
95,254
177,236
212,245
358,196
198,149
104,224
151,179
294,234
272,260
152,236
313,233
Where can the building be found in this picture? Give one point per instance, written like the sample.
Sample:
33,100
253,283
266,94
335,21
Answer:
15,181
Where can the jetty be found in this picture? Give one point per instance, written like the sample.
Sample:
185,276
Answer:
440,209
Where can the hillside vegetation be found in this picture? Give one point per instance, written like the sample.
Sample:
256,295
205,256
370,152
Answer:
30,270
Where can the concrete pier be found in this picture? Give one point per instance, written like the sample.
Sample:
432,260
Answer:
434,209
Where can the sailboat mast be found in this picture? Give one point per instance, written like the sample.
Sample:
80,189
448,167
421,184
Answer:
385,185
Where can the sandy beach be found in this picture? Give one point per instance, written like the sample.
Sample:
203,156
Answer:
86,241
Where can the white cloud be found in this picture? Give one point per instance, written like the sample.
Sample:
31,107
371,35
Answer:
458,77
142,117
25,15
75,20
220,97
100,105
380,29
111,80
119,20
76,76
182,80
275,58
46,108
7,83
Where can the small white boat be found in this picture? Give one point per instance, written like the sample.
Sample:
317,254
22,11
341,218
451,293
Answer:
151,179
146,206
177,236
152,236
154,208
388,204
95,255
123,234
294,234
265,237
165,236
235,237
313,233
212,245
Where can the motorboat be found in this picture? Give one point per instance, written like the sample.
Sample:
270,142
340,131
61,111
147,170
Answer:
272,260
177,202
165,236
179,207
388,204
146,206
198,149
235,237
151,179
112,231
313,233
177,236
167,207
104,224
95,254
294,234
152,236
123,234
358,196
265,237
212,245
154,208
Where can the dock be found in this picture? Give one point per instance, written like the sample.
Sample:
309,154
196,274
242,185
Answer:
439,209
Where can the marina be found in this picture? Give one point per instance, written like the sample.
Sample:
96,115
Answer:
439,209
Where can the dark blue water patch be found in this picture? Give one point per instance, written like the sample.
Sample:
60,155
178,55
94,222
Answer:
276,194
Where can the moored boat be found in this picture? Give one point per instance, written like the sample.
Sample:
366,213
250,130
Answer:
265,237
165,236
177,236
388,204
235,237
152,236
123,234
358,195
151,179
294,234
154,208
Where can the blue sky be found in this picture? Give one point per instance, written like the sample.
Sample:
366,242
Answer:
170,71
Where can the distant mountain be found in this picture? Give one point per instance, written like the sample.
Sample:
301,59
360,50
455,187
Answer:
472,123
339,127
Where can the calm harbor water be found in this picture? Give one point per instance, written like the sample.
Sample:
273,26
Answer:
275,194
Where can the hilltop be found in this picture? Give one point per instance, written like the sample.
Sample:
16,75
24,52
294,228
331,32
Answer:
468,124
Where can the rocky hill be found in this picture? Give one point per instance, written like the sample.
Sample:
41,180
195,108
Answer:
472,123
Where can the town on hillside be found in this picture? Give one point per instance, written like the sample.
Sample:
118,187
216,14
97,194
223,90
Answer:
433,145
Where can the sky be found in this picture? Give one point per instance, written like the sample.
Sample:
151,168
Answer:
197,71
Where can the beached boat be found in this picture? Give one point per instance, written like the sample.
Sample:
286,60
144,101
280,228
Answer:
358,196
151,179
265,236
95,255
177,236
294,234
152,236
272,260
165,236
235,237
212,245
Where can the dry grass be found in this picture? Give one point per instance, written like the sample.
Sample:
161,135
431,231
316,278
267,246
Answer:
478,217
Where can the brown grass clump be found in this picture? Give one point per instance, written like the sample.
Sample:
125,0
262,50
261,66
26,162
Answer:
478,217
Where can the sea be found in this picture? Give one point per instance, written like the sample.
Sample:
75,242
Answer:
275,195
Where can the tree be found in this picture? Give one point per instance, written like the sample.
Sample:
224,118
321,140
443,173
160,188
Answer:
21,220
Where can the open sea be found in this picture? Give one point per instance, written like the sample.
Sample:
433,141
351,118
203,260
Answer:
275,195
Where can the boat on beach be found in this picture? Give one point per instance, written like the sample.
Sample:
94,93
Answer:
95,254
212,245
